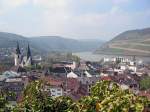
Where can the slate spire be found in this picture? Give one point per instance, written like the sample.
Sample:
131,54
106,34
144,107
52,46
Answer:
28,52
18,49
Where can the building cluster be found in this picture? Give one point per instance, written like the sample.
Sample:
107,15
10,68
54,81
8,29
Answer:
68,78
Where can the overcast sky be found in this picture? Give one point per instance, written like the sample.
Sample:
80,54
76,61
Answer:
89,19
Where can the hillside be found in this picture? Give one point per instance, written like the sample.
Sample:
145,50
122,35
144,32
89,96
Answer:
45,44
133,42
55,43
8,40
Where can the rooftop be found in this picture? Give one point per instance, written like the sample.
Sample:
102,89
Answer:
13,80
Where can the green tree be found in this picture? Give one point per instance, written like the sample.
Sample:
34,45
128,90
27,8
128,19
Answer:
34,99
64,104
145,83
4,107
107,96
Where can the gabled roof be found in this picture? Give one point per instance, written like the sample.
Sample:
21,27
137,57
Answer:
60,70
72,75
8,74
73,84
52,81
87,74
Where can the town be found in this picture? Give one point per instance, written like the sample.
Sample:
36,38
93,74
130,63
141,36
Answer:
74,56
73,77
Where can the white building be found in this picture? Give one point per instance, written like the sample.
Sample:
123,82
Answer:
71,65
72,75
116,59
55,91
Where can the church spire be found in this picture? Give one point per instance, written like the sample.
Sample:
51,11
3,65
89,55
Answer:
18,49
28,52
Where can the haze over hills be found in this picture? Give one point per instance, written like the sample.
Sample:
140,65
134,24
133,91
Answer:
46,44
8,40
132,42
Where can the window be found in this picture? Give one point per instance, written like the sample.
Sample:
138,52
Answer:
53,90
59,94
59,89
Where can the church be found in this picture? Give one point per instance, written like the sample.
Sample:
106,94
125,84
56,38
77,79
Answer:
20,60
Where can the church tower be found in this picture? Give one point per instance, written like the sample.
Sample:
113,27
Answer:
29,57
18,56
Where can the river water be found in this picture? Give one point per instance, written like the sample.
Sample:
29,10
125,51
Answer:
89,56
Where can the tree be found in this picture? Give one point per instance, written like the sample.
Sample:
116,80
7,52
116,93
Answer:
64,104
107,96
4,107
34,98
145,83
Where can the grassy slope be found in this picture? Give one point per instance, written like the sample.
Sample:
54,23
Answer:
135,42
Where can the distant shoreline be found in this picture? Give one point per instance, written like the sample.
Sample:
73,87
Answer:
104,53
91,56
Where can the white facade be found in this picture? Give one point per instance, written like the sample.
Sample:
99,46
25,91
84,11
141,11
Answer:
54,91
115,59
72,66
119,71
123,67
72,75
17,59
133,68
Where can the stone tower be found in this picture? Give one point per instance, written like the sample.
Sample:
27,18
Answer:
29,57
18,56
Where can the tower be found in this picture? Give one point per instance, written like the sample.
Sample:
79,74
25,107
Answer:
29,57
18,56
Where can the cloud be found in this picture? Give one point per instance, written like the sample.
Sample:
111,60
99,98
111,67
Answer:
51,5
117,2
8,5
60,17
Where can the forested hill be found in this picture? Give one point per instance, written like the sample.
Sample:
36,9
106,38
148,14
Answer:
47,43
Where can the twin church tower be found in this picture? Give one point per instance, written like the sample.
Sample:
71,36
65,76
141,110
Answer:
21,60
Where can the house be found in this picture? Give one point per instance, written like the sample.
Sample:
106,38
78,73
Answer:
72,85
118,71
88,81
68,64
87,74
132,68
61,71
53,86
106,78
72,75
9,74
83,66
116,59
54,90
15,86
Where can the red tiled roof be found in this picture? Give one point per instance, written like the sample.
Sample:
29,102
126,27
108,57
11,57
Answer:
72,84
107,78
143,93
52,81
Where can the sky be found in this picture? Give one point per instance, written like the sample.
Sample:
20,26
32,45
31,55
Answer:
79,19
